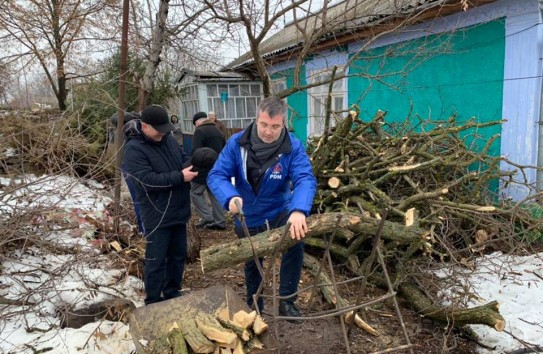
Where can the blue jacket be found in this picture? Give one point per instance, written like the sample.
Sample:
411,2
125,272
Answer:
155,169
289,184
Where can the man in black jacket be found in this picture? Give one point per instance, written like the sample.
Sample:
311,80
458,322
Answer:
153,161
206,135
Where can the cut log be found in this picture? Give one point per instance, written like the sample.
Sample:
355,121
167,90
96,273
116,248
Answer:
486,314
244,319
196,340
177,341
334,182
238,251
212,329
259,326
243,333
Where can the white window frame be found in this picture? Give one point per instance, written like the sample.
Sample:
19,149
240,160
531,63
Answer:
240,109
318,96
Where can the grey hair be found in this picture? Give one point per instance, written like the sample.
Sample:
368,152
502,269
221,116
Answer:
273,106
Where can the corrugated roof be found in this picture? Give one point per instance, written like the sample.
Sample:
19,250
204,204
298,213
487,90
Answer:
212,75
342,18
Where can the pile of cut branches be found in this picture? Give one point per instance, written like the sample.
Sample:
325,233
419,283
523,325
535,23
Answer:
433,189
432,177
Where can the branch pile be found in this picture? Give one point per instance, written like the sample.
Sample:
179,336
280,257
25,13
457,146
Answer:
433,177
437,190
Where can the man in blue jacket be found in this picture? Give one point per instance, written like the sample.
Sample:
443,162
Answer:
274,183
153,161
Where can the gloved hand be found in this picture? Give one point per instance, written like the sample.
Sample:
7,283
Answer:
298,226
232,207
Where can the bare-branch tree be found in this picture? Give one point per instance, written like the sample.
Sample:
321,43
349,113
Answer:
52,33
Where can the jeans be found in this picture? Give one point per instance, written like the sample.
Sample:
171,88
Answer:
165,254
291,265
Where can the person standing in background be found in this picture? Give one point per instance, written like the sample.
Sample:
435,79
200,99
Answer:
213,117
177,132
206,135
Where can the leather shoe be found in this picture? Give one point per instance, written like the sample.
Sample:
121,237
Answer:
288,309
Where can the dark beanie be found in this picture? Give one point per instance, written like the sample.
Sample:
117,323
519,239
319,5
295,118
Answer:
197,116
203,158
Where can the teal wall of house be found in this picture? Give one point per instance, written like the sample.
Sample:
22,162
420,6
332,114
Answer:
297,102
435,77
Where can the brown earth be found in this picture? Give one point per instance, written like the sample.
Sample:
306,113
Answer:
326,335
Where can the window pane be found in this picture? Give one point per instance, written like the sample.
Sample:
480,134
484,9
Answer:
251,107
212,90
240,107
236,123
255,90
230,106
244,90
338,103
218,107
210,104
247,122
234,90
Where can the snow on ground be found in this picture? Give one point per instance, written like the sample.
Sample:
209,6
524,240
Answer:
43,279
516,282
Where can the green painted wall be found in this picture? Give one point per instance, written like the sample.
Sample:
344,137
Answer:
297,102
434,77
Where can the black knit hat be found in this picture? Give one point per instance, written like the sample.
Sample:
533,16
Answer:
197,116
203,159
157,117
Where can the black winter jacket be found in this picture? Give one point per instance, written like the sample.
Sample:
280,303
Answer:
155,169
208,135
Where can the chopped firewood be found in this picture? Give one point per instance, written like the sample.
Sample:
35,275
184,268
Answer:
334,182
194,337
244,319
409,219
225,351
254,344
177,341
243,333
239,349
349,317
212,329
259,326
223,314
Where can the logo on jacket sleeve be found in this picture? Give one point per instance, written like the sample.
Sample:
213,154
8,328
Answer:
277,171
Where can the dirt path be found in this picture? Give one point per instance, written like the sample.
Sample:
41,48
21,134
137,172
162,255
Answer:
326,335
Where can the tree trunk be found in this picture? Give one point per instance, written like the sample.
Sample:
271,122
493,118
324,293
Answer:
231,253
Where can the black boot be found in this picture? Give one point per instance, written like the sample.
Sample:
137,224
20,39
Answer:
288,309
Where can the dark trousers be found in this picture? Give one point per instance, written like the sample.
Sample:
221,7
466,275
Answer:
165,254
291,265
